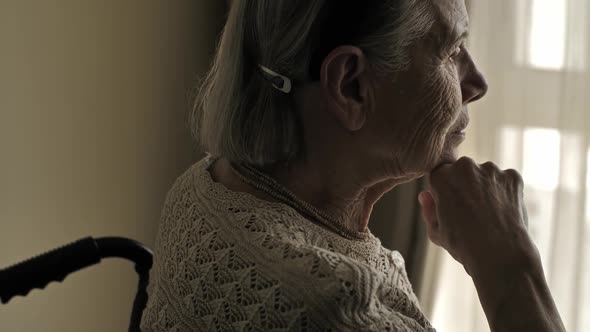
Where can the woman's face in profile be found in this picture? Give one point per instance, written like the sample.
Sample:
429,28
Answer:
421,115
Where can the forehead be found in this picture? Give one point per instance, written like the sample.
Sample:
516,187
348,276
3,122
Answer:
452,18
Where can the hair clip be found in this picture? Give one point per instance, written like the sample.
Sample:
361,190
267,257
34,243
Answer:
278,81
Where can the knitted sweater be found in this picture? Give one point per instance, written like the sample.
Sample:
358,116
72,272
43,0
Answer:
228,261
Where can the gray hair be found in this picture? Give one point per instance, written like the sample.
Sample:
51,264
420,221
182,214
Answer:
240,116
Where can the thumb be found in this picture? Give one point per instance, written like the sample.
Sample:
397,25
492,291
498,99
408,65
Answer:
428,208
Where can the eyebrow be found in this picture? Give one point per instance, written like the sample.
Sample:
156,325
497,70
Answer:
452,36
447,35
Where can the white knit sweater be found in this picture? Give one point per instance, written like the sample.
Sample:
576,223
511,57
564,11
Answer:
228,261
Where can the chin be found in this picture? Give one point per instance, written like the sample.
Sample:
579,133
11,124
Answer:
447,154
448,157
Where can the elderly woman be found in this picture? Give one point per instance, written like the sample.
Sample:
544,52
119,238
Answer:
312,111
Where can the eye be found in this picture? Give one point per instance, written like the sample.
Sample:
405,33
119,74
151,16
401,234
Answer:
455,53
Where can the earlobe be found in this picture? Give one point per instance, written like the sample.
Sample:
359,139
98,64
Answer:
344,79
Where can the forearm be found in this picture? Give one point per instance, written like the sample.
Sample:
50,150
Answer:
521,301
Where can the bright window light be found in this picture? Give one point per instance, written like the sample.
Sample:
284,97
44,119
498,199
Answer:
547,35
571,161
588,191
584,316
541,158
510,145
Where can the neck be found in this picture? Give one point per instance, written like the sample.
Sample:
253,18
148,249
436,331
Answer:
339,187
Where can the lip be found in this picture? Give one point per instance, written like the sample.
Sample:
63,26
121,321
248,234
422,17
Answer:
462,127
461,133
456,138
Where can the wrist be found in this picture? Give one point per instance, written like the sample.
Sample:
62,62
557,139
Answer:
521,301
515,258
497,280
517,298
497,286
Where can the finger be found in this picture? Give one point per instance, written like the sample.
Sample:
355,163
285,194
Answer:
490,167
515,179
525,217
438,174
429,217
523,211
428,209
440,167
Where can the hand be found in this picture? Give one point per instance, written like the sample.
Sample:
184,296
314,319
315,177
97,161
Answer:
476,212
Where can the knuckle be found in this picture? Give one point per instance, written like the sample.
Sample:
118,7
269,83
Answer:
490,167
466,161
515,176
467,165
438,174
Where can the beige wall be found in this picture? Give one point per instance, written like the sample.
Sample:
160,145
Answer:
93,100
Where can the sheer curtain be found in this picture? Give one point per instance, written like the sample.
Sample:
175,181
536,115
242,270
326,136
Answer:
536,56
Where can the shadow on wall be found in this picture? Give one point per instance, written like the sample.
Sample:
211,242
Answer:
94,101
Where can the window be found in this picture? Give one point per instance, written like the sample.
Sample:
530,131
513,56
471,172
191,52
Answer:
553,162
542,46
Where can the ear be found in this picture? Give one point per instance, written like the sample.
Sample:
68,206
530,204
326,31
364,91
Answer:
345,83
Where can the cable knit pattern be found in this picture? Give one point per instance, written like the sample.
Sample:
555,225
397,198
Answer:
228,261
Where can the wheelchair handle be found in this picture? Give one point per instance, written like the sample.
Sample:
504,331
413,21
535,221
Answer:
54,265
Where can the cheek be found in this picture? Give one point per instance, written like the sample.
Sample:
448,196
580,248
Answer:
441,101
438,108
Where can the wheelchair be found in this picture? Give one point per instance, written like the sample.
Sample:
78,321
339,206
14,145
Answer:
57,264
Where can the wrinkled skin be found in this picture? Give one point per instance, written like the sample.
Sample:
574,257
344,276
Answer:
365,133
430,98
477,213
388,130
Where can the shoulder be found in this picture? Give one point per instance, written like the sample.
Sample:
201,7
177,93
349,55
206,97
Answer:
221,249
190,177
344,291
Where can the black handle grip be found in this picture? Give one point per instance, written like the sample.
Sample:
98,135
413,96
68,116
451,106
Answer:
54,265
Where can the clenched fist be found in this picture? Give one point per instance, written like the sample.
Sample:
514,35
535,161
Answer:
476,212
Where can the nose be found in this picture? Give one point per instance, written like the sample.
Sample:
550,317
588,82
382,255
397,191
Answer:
473,83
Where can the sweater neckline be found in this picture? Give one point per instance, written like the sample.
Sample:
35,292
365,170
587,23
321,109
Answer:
215,190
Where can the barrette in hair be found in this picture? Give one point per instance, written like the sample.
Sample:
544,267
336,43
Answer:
278,81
